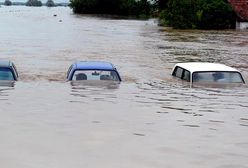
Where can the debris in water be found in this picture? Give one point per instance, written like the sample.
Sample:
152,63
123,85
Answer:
138,134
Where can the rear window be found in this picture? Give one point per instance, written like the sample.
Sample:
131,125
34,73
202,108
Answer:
218,77
6,74
95,75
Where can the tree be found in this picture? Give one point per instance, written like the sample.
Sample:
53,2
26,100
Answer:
217,14
115,7
83,6
50,3
144,6
7,3
162,4
34,3
200,14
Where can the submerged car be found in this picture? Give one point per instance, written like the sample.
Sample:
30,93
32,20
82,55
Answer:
203,72
8,71
93,70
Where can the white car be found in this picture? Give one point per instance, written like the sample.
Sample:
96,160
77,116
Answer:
203,72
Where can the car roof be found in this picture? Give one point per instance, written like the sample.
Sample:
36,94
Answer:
94,65
205,66
5,63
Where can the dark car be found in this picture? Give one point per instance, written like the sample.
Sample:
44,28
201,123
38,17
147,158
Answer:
92,71
8,71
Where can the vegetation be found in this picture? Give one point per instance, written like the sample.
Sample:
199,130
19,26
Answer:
7,3
50,3
200,14
34,3
181,14
116,7
162,4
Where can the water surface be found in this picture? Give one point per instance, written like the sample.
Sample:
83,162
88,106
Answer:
149,120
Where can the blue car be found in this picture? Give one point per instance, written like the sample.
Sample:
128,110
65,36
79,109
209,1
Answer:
8,71
93,70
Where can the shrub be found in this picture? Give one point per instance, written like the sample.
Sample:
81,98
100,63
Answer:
34,3
116,7
7,3
50,3
202,14
83,6
217,15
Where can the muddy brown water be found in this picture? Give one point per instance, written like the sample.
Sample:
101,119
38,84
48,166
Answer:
149,120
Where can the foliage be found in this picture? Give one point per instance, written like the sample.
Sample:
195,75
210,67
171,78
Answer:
217,15
202,14
83,6
116,7
7,3
50,3
162,4
34,3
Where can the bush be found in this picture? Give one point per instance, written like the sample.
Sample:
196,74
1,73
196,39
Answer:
50,3
83,6
217,15
7,3
34,3
116,7
202,14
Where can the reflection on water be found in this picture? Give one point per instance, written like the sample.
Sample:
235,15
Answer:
5,87
150,116
7,83
97,84
218,85
94,90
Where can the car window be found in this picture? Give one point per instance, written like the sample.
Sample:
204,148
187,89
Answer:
186,75
178,72
6,74
95,75
218,77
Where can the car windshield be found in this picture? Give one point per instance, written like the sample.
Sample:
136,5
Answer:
95,75
6,74
217,77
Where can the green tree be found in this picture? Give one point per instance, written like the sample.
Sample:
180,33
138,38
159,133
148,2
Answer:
144,7
202,14
116,7
181,13
217,14
7,3
33,3
162,4
83,6
50,3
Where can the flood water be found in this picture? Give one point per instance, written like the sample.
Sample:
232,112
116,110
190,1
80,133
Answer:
150,120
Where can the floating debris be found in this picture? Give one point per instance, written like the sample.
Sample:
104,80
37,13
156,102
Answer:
188,125
139,134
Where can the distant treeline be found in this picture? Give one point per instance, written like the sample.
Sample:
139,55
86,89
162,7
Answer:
49,3
180,14
114,7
